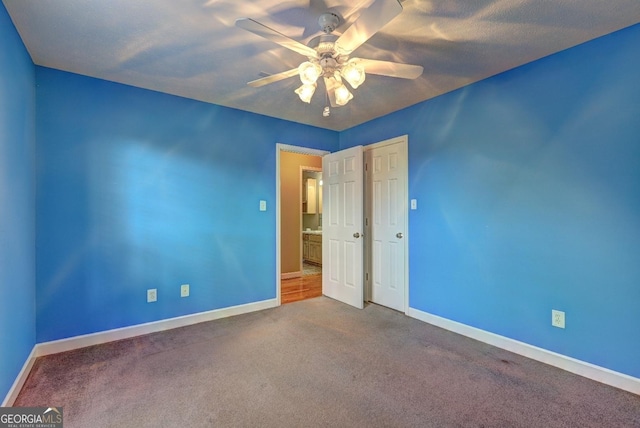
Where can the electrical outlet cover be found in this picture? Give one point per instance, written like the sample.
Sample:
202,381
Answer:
152,295
557,318
184,290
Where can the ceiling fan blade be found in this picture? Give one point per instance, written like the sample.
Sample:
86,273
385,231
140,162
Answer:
392,69
270,34
331,86
273,78
370,21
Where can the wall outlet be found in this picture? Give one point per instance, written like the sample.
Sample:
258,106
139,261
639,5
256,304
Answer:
557,318
152,295
184,290
263,205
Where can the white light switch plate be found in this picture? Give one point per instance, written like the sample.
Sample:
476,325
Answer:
414,204
263,205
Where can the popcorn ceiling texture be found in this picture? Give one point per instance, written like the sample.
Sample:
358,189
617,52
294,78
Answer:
192,48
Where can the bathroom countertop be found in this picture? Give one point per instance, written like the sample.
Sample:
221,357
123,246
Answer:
312,232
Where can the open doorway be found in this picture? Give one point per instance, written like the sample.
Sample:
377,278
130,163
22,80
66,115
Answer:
299,234
311,219
385,262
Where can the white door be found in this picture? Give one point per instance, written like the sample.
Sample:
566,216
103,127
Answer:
387,176
342,230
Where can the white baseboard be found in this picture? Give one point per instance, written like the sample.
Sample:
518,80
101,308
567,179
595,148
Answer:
582,368
76,342
288,275
11,396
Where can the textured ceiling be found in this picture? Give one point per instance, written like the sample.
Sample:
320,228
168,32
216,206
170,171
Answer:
192,48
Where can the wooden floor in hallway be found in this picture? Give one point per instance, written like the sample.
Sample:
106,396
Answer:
301,288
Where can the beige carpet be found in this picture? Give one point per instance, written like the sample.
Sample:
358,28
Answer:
317,363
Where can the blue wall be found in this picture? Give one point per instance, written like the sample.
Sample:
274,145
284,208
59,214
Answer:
138,189
17,204
528,188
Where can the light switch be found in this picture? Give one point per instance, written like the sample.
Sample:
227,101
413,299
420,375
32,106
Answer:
414,204
263,205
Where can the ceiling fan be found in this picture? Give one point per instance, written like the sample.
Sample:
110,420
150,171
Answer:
328,54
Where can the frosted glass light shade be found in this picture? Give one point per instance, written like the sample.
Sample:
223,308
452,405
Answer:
305,92
309,72
353,73
343,96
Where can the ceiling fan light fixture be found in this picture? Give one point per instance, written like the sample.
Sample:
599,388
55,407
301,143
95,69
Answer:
342,94
309,72
353,73
306,91
328,53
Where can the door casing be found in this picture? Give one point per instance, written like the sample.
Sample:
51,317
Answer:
404,139
279,149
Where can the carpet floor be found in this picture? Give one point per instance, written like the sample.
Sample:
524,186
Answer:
317,363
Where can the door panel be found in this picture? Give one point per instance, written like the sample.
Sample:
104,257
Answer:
342,226
388,212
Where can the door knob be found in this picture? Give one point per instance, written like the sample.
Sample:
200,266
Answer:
399,235
356,235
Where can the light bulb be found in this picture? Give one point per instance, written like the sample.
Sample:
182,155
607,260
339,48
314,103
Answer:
353,73
309,72
342,95
305,92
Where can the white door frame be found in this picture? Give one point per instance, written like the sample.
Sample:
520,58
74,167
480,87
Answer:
403,139
315,152
279,149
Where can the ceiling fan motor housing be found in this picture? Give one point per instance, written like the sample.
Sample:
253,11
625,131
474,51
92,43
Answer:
328,22
326,47
328,64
